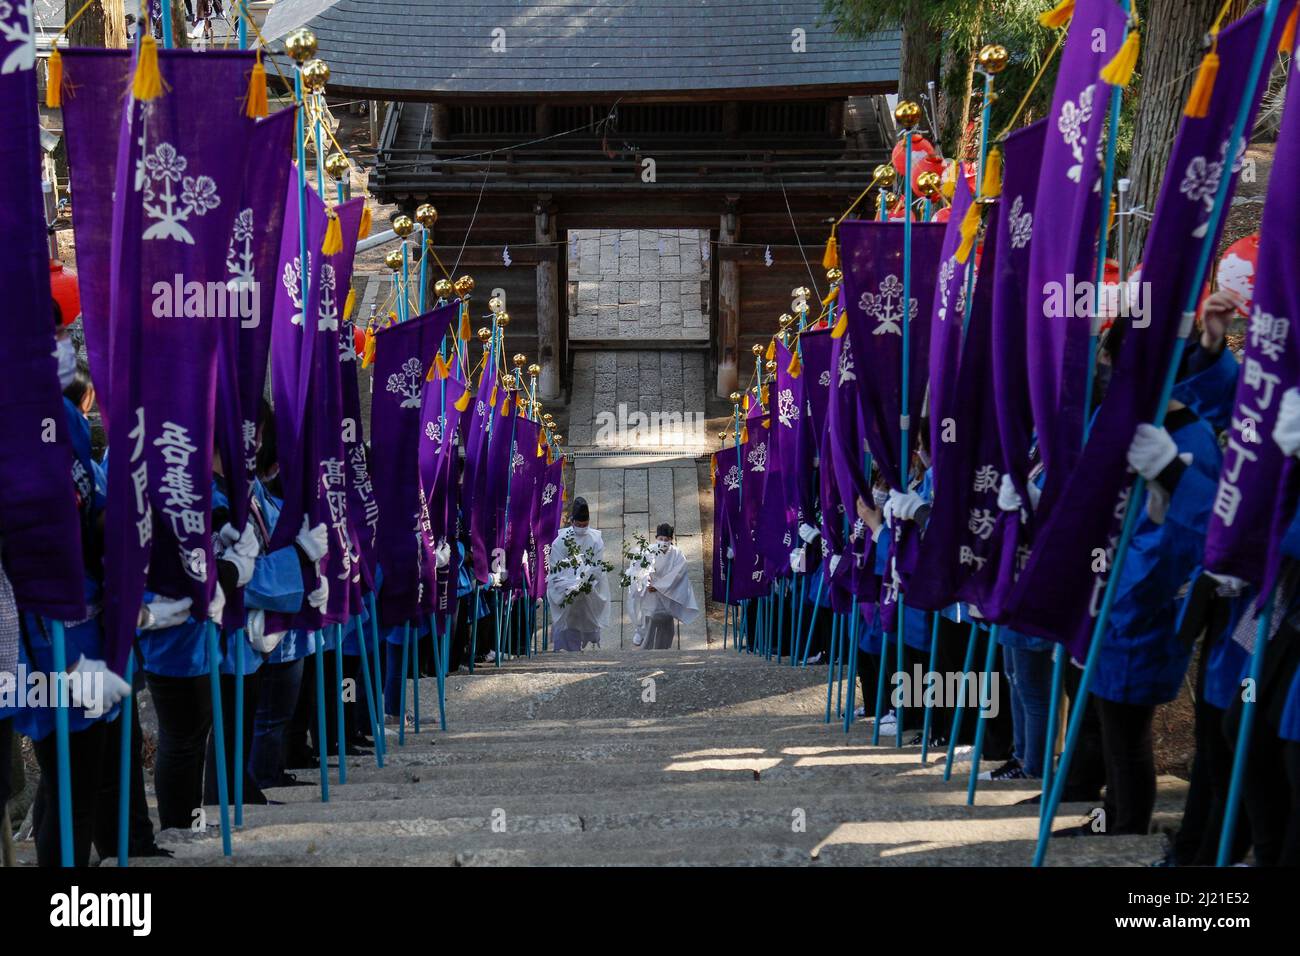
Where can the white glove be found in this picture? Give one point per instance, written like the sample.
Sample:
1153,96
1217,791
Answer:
1286,432
96,688
228,536
497,578
832,565
808,534
164,612
242,554
442,554
320,597
315,542
217,605
255,629
798,560
1151,451
1228,586
903,507
731,553
1008,498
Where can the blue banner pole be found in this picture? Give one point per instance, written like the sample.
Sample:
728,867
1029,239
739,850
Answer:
342,744
218,733
322,743
124,766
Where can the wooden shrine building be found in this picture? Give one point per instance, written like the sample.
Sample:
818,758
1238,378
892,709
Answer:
749,119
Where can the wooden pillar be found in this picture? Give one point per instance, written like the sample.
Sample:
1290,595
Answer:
439,122
548,300
728,301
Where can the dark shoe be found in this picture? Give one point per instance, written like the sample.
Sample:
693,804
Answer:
1081,830
302,760
290,780
154,850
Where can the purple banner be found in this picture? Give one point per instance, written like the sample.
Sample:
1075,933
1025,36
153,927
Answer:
94,89
40,532
548,509
1064,255
180,170
948,313
872,258
1256,491
403,355
1059,593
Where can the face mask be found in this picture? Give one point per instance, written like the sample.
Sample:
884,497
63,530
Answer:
879,497
67,358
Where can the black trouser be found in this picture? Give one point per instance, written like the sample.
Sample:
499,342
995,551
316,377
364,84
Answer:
1130,765
460,635
140,839
252,793
85,752
1266,793
868,674
950,658
277,700
1197,841
184,706
1088,765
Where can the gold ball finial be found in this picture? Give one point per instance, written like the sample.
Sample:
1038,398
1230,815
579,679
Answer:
394,259
336,164
508,381
885,175
802,292
722,437
503,319
756,348
735,398
534,370
770,368
930,184
557,438
464,286
495,304
993,58
519,359
908,114
484,335
403,225
785,320
300,44
833,274
443,288
426,215
315,74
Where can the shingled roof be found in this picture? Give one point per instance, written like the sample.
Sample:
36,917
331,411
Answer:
401,49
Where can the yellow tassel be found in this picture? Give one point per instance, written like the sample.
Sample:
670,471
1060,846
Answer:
970,227
713,470
364,229
368,353
465,330
333,243
1198,102
771,351
1058,16
349,303
744,434
54,80
1119,71
462,403
438,370
505,406
991,188
1287,43
744,404
831,257
841,326
795,368
492,398
255,105
148,83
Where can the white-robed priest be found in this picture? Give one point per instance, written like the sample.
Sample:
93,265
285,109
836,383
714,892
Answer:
577,582
660,593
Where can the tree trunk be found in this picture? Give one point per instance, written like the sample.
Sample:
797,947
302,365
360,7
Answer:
1173,33
103,24
919,57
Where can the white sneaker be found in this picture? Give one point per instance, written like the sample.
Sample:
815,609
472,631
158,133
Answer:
816,658
889,721
962,754
860,713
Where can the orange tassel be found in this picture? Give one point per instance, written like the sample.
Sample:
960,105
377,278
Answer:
364,229
841,326
54,80
795,368
831,257
465,329
255,105
350,302
462,403
368,354
148,83
1287,43
1119,71
1058,16
333,242
970,227
991,188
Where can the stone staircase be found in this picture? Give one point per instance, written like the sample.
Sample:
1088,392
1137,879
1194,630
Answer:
644,757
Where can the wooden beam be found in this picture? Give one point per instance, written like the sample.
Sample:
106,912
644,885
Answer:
548,301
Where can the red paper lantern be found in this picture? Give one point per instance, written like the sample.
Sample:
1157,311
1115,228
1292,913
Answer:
1236,270
63,286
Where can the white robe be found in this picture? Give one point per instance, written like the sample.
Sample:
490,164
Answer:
672,596
580,622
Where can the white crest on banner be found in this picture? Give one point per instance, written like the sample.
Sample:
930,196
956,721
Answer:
758,457
291,279
1201,179
165,168
548,493
239,259
787,409
18,36
406,382
433,432
732,478
886,306
1022,223
824,379
328,315
1071,124
846,363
